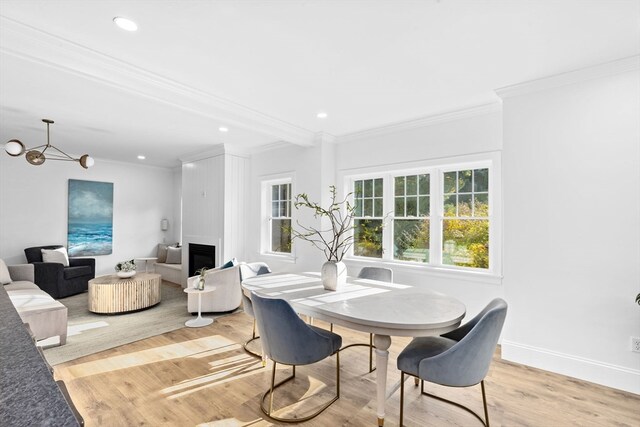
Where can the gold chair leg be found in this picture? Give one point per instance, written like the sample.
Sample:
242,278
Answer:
442,399
484,403
253,338
274,386
401,397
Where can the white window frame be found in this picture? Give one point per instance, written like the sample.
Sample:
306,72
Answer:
265,224
436,169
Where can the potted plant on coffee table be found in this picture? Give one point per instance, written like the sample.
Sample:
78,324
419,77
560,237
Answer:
125,269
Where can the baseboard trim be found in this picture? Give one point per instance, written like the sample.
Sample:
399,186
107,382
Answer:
606,374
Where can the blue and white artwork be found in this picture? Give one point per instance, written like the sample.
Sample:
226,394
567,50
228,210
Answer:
90,230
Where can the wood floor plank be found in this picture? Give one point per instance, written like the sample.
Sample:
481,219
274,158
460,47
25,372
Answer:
202,377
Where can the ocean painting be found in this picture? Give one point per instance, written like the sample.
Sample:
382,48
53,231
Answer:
90,230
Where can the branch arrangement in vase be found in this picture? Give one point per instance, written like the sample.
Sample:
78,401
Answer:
334,242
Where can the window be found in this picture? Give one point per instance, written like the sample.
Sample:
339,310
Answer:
280,218
411,224
368,201
439,216
465,225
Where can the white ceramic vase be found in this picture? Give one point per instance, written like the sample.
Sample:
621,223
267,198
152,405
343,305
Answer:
334,275
126,274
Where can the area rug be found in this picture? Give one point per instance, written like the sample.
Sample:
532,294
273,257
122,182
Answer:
90,333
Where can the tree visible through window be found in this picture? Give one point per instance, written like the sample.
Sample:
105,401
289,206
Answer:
281,218
411,218
368,199
465,226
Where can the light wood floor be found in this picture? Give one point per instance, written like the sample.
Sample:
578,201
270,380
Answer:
203,377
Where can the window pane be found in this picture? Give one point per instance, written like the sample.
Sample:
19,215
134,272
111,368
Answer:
450,205
480,205
368,188
358,189
464,205
412,206
275,209
423,184
368,238
378,189
283,208
358,207
450,182
465,242
399,206
377,207
368,207
412,185
281,235
275,192
464,181
399,185
481,180
284,192
423,205
411,240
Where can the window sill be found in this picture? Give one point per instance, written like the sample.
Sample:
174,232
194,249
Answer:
428,270
290,258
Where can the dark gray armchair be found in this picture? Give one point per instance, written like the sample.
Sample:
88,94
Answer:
459,358
57,280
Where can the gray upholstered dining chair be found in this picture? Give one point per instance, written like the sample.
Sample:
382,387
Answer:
374,273
459,358
287,340
246,271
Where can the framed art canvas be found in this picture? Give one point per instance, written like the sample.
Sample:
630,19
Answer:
90,218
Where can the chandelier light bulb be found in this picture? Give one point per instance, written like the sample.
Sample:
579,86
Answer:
14,148
86,161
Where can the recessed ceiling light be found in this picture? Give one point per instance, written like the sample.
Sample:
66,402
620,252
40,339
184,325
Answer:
141,157
322,115
223,129
125,23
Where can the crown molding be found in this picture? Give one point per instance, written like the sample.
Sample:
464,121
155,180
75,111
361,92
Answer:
216,150
269,147
31,44
557,80
421,122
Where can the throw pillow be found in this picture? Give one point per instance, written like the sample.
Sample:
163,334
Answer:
55,255
174,255
162,252
5,277
229,263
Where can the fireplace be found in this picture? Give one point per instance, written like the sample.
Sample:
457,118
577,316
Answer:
201,256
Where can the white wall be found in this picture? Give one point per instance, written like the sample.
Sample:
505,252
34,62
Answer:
572,228
478,130
314,168
33,207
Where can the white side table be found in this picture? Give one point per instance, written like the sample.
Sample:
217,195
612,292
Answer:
146,262
199,321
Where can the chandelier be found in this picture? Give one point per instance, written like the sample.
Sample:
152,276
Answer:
36,157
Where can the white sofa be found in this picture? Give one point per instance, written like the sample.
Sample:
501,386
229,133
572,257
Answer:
228,293
46,317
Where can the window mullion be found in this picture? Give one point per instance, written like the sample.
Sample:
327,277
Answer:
387,205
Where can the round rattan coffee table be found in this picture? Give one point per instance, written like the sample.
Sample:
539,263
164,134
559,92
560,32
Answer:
111,294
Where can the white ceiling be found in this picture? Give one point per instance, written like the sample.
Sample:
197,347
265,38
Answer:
265,69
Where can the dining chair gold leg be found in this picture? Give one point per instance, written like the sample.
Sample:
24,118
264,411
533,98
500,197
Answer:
254,337
275,385
416,380
484,402
401,397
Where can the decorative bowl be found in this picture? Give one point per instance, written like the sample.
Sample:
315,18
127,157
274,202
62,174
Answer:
126,274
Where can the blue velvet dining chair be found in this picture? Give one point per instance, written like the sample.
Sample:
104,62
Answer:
247,271
459,358
287,340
